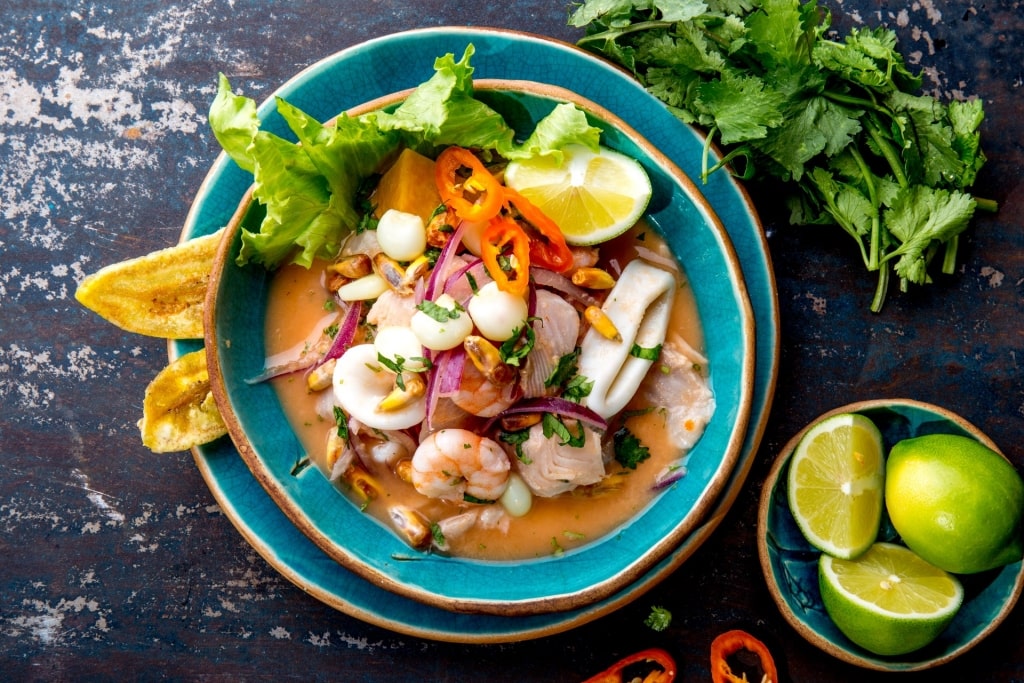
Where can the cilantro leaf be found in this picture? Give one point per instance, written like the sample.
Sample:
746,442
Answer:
629,452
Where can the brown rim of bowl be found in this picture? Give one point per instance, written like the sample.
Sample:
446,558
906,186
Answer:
768,488
544,604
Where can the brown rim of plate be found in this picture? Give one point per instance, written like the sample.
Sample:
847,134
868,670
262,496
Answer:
694,520
767,492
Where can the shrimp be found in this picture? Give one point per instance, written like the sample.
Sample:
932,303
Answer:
458,465
478,396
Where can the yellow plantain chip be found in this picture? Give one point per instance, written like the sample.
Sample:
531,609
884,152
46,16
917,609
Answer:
178,411
160,294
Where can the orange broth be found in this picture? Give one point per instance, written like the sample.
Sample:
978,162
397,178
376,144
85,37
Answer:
297,312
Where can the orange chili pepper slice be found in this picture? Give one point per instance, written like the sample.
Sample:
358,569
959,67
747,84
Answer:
456,187
731,642
664,673
505,251
548,248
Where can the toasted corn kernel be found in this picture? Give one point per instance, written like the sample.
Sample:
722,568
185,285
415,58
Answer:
363,483
333,282
419,267
399,397
593,278
353,266
335,447
515,423
390,270
600,321
487,359
412,525
322,376
404,470
439,228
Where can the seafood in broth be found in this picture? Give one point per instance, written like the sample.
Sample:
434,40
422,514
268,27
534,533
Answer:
476,383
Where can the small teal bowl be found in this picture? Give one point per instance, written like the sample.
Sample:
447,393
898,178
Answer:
790,564
235,307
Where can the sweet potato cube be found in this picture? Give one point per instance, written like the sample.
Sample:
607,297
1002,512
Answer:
408,186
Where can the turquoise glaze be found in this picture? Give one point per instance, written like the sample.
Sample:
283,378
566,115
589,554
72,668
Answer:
790,564
371,70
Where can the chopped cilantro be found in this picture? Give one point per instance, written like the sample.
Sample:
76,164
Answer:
659,618
440,313
517,347
628,449
301,463
564,369
578,388
645,353
341,420
516,440
553,426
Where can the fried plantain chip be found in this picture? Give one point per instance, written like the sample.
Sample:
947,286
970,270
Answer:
178,411
160,294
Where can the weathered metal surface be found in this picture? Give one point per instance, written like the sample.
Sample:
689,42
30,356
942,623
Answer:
118,562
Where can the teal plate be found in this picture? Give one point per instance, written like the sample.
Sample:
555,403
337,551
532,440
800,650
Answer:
790,564
235,309
377,68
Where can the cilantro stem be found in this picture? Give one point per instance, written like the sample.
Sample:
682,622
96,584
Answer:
613,34
880,289
876,220
887,151
988,205
949,258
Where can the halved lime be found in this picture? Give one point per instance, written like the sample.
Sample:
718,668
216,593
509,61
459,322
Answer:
591,196
836,482
889,601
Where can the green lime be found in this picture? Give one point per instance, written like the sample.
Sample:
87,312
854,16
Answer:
888,600
955,502
592,196
836,481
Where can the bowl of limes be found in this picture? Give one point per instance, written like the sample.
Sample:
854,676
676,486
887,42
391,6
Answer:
889,533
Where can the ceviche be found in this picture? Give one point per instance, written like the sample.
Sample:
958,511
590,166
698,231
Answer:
486,380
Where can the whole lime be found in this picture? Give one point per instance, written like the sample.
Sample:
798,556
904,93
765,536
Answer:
955,502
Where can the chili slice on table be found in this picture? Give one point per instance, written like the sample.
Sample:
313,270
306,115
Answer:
548,248
477,196
664,670
505,251
732,643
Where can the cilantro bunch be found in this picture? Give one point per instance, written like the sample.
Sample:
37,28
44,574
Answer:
839,121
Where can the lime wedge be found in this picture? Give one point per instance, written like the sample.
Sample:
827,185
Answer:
889,601
836,483
591,196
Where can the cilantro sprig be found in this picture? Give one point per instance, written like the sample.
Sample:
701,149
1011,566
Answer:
840,121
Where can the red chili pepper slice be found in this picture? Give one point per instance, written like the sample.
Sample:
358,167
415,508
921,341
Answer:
505,251
664,673
547,247
731,642
456,187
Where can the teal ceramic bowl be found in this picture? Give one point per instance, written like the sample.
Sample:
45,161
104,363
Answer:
265,441
790,564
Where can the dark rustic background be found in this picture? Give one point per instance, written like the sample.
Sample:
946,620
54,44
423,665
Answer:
117,563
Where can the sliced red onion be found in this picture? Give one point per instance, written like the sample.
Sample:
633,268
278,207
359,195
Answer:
444,259
444,378
669,476
346,333
553,404
666,262
562,284
304,362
